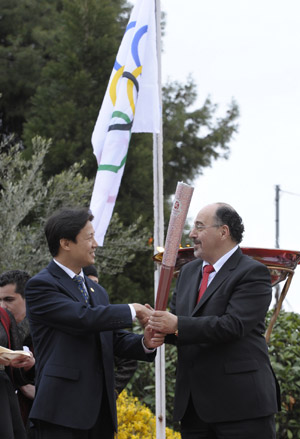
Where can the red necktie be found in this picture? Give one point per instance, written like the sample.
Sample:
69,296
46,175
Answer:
206,272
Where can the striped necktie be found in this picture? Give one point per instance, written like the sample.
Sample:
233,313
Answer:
80,283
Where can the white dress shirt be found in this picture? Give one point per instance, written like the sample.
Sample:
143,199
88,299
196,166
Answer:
219,264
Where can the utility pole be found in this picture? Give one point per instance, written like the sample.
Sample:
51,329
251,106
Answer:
277,190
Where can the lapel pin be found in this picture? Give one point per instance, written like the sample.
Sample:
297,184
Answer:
92,289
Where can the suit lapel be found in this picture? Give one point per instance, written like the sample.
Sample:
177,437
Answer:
188,289
65,281
219,278
194,288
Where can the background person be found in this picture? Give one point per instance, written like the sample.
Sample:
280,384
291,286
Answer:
11,376
12,298
76,333
225,386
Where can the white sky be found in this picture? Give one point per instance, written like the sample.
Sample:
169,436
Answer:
248,50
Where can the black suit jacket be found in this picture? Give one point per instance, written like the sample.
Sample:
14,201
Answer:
74,346
223,361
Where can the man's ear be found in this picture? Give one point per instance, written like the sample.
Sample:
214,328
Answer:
225,231
65,244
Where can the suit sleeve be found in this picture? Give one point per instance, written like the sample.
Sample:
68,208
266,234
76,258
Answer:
49,305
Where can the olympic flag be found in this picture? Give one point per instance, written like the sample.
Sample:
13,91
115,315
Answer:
130,104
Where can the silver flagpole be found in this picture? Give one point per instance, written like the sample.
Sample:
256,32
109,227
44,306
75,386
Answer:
160,394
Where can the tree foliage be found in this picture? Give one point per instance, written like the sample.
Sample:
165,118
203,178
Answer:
285,358
27,34
67,100
26,201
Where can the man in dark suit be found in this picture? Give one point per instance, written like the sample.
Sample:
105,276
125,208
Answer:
225,386
76,333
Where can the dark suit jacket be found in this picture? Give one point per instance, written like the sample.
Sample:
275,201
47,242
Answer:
223,358
74,346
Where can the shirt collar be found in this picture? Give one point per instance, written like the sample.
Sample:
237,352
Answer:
220,262
67,270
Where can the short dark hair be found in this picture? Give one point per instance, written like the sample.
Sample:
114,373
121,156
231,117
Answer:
225,214
65,223
19,278
90,270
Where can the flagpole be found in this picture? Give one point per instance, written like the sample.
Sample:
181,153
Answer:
160,396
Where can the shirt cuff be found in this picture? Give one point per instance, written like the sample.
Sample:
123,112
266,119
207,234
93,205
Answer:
133,313
147,351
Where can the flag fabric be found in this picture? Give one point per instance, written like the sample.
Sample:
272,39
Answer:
130,104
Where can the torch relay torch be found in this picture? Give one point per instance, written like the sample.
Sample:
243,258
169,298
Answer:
183,196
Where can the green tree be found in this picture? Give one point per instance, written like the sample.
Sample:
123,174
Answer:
26,201
27,32
66,103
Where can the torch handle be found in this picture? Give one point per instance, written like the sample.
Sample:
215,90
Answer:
165,279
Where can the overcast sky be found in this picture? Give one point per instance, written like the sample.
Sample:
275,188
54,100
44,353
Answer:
249,51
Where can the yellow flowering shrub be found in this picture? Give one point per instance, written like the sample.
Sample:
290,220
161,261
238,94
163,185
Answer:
136,421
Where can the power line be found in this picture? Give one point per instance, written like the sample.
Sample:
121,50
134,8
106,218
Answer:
290,193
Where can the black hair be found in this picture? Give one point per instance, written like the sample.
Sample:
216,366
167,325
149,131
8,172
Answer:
225,214
90,270
18,278
65,223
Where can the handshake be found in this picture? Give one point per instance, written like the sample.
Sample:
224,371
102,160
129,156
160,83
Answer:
156,323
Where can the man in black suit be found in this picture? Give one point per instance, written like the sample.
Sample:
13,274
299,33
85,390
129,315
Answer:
76,333
225,386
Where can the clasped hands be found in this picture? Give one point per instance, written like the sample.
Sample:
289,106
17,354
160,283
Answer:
156,323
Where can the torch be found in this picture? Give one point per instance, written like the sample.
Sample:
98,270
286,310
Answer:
178,216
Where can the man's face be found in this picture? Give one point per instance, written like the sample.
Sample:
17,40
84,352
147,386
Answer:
206,235
82,252
13,302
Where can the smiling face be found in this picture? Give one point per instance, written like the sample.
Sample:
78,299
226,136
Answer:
207,235
81,253
13,302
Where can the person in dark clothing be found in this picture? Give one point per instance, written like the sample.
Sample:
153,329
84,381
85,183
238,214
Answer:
75,333
225,385
12,298
12,375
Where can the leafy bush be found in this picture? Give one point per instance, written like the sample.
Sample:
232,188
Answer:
135,420
284,350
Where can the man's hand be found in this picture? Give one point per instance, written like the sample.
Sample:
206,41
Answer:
28,390
4,361
163,321
153,340
142,313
